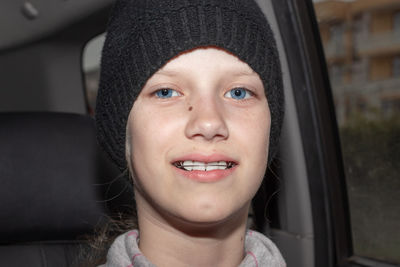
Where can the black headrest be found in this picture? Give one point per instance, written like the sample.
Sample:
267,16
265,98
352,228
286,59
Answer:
54,178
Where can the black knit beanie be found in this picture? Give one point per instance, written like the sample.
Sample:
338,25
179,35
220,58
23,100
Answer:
143,35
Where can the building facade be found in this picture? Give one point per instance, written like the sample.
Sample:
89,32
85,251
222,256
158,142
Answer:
361,40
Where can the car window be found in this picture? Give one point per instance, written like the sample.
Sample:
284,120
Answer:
91,69
362,48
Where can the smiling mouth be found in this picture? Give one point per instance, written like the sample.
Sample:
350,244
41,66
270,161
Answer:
189,165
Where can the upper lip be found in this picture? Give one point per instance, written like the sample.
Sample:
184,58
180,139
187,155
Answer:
205,158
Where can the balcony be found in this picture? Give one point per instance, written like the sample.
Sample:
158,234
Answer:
388,86
372,96
377,44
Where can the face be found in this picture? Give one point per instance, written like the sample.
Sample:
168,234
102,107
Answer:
197,138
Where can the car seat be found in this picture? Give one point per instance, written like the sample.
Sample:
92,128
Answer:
56,186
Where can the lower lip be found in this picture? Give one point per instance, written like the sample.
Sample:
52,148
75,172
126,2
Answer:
206,176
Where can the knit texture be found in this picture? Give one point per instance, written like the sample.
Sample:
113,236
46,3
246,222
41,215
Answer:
143,35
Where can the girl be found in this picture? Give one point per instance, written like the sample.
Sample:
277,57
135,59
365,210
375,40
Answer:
191,105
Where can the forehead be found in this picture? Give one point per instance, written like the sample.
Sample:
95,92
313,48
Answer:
206,59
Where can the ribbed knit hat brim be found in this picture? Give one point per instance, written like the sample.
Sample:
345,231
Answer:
143,35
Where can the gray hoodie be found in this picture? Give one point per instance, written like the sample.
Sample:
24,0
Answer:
260,252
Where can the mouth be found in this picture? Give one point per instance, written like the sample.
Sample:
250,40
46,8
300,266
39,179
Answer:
190,165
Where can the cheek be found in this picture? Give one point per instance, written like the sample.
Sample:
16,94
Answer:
144,139
253,130
253,137
153,134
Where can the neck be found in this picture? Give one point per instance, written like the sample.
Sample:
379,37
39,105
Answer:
183,244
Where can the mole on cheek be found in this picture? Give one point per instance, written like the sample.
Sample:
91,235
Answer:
190,108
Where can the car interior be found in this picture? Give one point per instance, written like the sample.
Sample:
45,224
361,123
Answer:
57,185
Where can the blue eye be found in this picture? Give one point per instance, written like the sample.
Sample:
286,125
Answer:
238,93
166,93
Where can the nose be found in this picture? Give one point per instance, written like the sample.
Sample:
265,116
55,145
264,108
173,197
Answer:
207,121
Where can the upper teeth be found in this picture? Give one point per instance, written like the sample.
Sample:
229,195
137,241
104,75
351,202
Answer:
190,165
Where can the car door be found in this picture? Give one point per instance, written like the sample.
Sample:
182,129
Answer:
341,61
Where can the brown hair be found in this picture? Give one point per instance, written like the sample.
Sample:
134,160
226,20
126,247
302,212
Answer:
94,251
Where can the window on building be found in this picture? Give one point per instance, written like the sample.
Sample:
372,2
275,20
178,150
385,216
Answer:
396,67
391,106
358,26
337,31
396,22
336,74
361,105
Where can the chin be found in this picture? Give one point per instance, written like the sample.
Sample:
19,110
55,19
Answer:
212,215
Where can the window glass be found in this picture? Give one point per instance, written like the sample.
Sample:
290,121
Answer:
362,50
91,69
